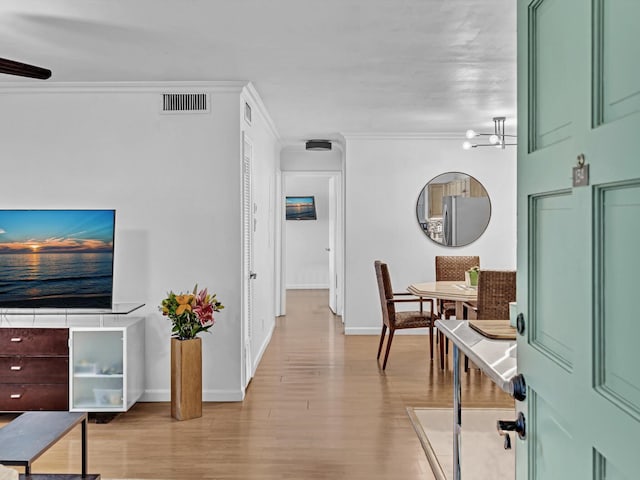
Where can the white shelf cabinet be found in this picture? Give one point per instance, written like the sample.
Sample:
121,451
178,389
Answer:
106,365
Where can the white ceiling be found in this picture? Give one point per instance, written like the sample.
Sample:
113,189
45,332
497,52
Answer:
322,67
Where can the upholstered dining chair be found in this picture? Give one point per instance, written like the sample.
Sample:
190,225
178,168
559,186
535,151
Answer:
451,268
396,320
496,288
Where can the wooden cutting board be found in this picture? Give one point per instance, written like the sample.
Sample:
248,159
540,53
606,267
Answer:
495,329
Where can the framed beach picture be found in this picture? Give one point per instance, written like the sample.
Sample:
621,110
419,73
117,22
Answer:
301,208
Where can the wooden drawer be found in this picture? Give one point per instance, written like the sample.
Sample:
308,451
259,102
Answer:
19,369
34,341
19,397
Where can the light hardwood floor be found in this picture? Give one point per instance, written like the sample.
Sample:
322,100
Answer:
319,407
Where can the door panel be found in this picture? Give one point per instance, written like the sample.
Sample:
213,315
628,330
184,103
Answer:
605,469
616,40
549,49
578,260
617,331
554,255
549,429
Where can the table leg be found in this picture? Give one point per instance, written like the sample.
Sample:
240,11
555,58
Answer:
460,311
84,447
457,412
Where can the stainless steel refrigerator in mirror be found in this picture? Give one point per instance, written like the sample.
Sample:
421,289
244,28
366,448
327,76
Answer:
464,218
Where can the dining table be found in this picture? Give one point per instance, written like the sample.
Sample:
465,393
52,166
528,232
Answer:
456,291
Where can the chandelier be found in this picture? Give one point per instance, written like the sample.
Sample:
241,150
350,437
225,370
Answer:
497,139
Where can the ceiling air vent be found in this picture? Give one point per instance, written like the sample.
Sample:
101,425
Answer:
185,102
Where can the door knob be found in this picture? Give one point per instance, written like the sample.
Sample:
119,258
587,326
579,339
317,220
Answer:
519,426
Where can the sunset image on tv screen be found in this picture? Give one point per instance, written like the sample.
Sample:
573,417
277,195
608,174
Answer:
56,258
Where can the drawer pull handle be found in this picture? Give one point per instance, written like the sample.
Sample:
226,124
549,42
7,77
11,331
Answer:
16,339
16,368
16,395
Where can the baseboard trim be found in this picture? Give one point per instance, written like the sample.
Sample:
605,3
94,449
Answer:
207,396
263,348
309,286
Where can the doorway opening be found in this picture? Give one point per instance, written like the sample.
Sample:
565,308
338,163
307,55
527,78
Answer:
312,250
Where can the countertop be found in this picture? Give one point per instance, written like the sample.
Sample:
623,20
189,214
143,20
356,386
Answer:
496,358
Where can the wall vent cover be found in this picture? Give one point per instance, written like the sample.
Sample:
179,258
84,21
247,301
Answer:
185,103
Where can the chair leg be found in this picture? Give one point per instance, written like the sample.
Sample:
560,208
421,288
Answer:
384,330
466,363
386,354
441,339
446,341
432,329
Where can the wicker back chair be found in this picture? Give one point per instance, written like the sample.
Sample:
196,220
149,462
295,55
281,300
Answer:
496,288
451,268
394,320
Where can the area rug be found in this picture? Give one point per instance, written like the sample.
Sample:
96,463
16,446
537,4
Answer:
482,450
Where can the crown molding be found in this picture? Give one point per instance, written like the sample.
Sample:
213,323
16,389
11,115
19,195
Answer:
403,135
132,87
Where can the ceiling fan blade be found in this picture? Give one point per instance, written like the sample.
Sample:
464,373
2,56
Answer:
11,67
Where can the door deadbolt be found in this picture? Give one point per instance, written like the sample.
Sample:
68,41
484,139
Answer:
518,388
520,324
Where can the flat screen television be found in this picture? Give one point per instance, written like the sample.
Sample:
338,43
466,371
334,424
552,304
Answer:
56,259
301,208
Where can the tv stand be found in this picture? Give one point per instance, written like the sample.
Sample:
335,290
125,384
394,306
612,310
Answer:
71,360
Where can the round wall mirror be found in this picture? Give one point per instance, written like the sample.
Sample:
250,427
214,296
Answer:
453,209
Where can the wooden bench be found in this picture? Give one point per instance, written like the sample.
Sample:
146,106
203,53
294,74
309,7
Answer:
27,437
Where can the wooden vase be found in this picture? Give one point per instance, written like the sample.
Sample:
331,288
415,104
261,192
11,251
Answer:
186,378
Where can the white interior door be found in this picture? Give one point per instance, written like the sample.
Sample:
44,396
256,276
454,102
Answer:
248,227
333,279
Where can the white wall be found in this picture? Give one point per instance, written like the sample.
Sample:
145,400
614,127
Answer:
307,260
296,158
175,183
383,178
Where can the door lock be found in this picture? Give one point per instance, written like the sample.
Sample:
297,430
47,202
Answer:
253,275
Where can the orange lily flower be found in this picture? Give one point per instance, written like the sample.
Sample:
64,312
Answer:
184,303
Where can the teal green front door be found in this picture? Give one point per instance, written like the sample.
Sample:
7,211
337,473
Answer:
579,238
